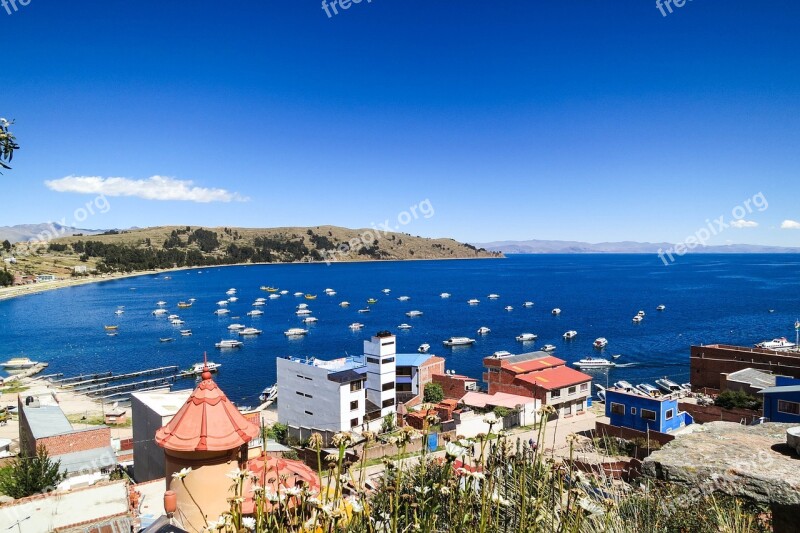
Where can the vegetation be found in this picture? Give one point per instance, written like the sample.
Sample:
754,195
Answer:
737,399
31,474
388,424
7,245
278,432
433,393
6,278
8,144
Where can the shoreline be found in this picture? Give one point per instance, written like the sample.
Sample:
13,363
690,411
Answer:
8,293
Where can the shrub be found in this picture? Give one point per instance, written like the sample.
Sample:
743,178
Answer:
433,393
737,399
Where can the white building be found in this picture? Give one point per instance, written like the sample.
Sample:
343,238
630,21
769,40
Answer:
149,412
340,394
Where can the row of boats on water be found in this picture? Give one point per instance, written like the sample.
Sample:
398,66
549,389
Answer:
664,386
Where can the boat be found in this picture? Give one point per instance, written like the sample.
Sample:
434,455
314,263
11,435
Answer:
344,304
626,386
649,390
329,290
199,368
556,311
501,354
310,296
668,386
110,328
19,363
424,348
159,312
600,343
236,327
687,387
473,301
303,312
172,317
458,341
269,289
616,356
483,330
274,296
177,322
571,334
232,299
404,326
161,303
414,313
509,308
444,295
270,394
527,304
527,337
386,291
284,292
310,319
372,301
228,343
601,392
404,298
365,310
637,319
112,334
185,305
222,312
594,362
166,339
356,325
302,306
548,348
298,294
119,312
258,304
774,344
331,293
295,332
230,292
222,303
261,299
493,296
255,312
640,313
192,300
249,331
661,307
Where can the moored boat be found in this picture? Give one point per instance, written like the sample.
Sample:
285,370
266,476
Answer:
556,311
780,342
19,363
414,313
228,344
356,325
255,312
483,330
571,334
649,390
600,343
458,341
548,348
404,326
295,332
424,348
527,337
668,386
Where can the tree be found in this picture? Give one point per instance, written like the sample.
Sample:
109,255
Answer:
8,143
6,278
732,399
31,474
433,393
7,245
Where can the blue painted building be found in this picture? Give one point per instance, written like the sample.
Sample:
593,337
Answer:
782,402
643,413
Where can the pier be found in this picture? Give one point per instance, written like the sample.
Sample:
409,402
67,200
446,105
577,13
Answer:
65,381
138,385
89,382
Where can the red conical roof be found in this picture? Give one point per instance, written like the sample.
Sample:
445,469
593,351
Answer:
208,421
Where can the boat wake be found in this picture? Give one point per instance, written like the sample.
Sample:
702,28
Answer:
626,365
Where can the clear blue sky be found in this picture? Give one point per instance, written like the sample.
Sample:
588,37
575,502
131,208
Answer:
578,119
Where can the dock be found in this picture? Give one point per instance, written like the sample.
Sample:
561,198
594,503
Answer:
66,381
105,391
88,383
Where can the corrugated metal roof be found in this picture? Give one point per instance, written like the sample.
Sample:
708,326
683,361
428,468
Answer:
46,420
754,377
778,390
88,460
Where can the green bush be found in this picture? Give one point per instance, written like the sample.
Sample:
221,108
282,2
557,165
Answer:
433,393
737,399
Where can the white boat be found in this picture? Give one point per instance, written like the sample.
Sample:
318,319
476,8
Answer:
284,292
228,343
365,310
270,394
249,331
404,298
637,319
236,327
295,332
445,295
299,294
199,368
119,312
344,304
328,291
626,386
527,337
640,313
600,343
356,325
404,326
233,299
548,348
668,386
260,299
493,296
594,362
177,322
258,304
386,291
303,312
302,306
414,313
458,341
501,354
160,312
230,292
601,392
161,303
255,312
781,342
527,304
571,334
19,363
310,319
649,390
222,312
222,303
172,317
509,308
274,296
556,311
473,301
483,330
424,348
186,332
331,293
661,307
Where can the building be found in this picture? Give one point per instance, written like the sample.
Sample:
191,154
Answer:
644,413
41,278
782,402
86,454
541,376
711,363
340,394
151,411
79,269
526,406
748,380
414,371
455,386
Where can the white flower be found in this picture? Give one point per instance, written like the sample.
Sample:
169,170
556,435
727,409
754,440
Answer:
476,475
355,504
237,474
422,490
454,450
249,523
182,474
500,500
294,491
489,420
214,526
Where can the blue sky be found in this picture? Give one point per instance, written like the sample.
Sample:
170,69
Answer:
582,119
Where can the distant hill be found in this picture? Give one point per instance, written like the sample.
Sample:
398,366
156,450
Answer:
26,232
535,246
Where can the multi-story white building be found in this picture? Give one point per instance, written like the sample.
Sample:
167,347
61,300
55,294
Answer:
379,356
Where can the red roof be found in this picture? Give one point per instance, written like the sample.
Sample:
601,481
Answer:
555,378
208,421
532,365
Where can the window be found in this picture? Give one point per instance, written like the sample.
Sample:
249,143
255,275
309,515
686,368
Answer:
617,408
403,387
373,360
354,405
580,407
388,386
355,386
568,409
403,371
668,415
493,370
388,360
647,414
790,408
354,422
633,410
555,393
584,387
388,403
389,343
303,394
572,390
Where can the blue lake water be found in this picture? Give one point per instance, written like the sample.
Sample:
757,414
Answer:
708,298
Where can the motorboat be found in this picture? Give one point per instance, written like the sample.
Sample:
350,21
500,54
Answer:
527,304
186,333
527,337
626,386
356,325
274,296
458,341
571,334
260,299
687,387
493,296
19,363
303,312
119,312
414,313
223,312
404,326
509,308
269,289
556,311
110,328
228,344
249,331
284,292
668,386
424,348
365,310
344,304
192,300
649,390
222,303
166,339
258,304
255,312
160,312
781,342
112,333
295,332
601,392
444,295
236,327
616,356
230,292
548,348
404,298
594,362
302,306
298,294
177,322
310,319
186,305
501,354
270,394
386,291
310,296
372,301
329,290
661,307
637,319
640,313
331,293
161,303
172,317
199,368
483,330
600,343
473,301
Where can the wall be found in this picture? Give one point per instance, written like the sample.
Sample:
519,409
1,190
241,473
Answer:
148,457
630,434
771,407
709,362
703,414
77,441
636,421
470,423
454,387
62,509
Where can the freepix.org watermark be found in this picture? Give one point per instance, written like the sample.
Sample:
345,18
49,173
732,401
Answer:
665,6
99,205
332,7
714,227
12,6
370,238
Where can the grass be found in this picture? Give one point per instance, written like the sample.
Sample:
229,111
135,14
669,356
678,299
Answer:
95,420
15,388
